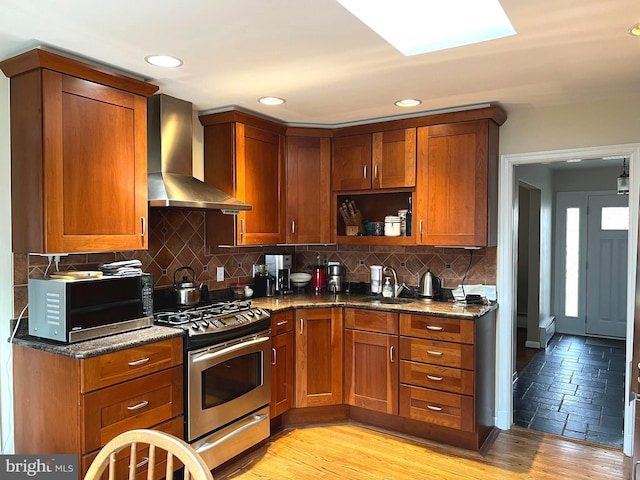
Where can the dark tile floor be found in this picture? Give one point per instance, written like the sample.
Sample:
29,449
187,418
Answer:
574,388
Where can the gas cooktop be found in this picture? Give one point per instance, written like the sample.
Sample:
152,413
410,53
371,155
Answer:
215,322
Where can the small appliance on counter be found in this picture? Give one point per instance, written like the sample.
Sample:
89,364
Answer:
279,266
263,282
376,279
430,286
318,278
335,277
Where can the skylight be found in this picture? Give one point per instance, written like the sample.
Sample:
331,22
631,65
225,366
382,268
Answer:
421,26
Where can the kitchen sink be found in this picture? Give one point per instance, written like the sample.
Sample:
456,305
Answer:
390,301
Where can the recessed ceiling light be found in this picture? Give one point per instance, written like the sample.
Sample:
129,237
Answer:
408,102
163,60
635,30
417,26
271,100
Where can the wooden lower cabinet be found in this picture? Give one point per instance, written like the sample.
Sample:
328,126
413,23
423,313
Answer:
371,360
318,359
281,362
75,406
447,370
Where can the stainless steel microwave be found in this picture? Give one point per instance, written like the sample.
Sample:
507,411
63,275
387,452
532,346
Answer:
76,310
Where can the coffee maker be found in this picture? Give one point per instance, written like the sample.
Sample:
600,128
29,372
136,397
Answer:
279,266
335,277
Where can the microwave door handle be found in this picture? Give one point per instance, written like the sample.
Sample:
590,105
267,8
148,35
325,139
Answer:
232,348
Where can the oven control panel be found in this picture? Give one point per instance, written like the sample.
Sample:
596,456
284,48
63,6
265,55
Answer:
205,324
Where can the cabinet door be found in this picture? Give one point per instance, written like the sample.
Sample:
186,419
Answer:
351,163
452,186
318,357
95,166
394,159
260,182
308,190
371,370
281,373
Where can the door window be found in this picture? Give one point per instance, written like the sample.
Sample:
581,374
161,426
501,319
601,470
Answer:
231,379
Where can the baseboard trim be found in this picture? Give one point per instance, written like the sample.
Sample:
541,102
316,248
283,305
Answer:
531,344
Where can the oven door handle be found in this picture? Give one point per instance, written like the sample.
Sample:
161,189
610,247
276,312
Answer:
232,348
207,446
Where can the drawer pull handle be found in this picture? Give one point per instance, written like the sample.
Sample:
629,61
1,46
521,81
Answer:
434,328
434,353
434,408
138,406
135,363
434,378
142,462
279,324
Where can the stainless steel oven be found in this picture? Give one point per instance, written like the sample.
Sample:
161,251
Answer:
227,377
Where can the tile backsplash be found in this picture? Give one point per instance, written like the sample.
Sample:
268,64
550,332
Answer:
176,238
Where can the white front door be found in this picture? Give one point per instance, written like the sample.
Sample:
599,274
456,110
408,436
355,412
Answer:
608,228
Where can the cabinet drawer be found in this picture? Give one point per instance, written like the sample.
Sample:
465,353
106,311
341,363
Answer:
425,375
139,403
440,408
371,320
437,328
174,427
282,322
448,354
105,370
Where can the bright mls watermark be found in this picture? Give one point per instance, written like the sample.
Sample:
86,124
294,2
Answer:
39,467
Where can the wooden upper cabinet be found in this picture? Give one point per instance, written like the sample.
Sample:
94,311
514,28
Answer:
394,159
308,190
78,155
457,184
245,159
351,163
378,160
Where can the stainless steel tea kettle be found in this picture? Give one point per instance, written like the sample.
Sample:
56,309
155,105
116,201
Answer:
430,286
187,293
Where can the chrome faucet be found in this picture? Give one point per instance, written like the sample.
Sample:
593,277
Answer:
397,289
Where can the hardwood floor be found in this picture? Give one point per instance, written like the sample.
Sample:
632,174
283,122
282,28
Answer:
352,451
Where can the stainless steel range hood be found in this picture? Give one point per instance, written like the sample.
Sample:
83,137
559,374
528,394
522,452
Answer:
170,150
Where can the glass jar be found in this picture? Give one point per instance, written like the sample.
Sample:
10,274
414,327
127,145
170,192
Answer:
392,226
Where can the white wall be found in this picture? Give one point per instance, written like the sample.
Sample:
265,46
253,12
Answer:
605,122
539,176
6,273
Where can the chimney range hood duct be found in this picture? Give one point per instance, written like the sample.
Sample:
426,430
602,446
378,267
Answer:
170,150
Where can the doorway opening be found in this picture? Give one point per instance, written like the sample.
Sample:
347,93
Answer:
507,269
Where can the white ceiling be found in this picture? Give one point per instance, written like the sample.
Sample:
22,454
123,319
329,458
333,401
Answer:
330,67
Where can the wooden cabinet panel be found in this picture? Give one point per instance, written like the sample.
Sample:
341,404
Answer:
437,328
246,162
457,184
112,368
371,371
282,322
436,377
394,159
351,163
308,190
318,358
281,373
440,408
138,403
438,353
371,320
79,165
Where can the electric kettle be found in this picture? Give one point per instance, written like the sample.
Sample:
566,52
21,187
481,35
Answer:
430,286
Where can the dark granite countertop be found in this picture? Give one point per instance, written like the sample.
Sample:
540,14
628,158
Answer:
421,306
98,346
122,341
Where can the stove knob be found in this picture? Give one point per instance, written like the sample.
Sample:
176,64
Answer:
250,313
195,326
205,324
258,311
